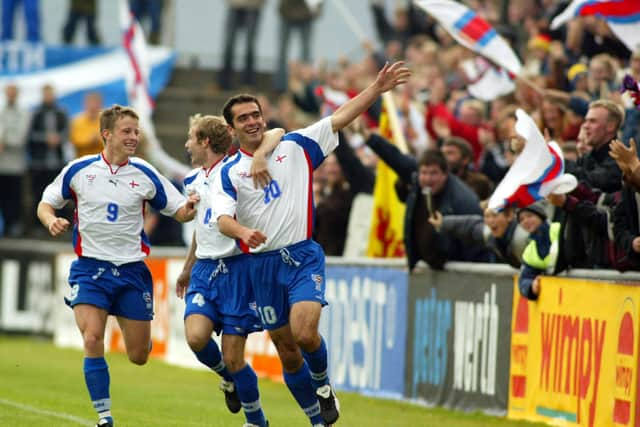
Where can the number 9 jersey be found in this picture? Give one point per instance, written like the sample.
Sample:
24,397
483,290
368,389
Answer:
110,205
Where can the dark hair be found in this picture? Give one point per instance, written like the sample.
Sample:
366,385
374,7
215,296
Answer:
238,99
462,145
433,156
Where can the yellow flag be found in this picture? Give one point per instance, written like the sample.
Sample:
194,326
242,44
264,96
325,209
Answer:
387,222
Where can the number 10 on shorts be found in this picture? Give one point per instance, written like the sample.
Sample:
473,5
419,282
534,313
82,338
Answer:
267,315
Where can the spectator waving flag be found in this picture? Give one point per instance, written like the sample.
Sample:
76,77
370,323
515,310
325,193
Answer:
137,78
537,172
485,81
387,223
623,17
472,31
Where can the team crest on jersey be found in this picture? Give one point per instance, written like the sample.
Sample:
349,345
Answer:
244,174
90,177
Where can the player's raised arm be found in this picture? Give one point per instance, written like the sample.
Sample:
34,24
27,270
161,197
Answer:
48,218
259,170
388,77
232,228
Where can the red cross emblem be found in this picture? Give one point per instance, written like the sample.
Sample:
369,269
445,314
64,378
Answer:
279,159
134,184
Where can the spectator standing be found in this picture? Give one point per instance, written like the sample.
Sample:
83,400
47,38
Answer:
48,132
14,124
81,10
151,9
241,15
333,208
295,15
85,127
596,168
31,10
448,194
459,157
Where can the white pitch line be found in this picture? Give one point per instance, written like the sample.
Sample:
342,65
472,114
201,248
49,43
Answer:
33,409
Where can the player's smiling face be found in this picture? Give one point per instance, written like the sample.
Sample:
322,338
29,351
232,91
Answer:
123,140
248,125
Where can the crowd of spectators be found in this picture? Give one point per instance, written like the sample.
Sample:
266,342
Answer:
459,147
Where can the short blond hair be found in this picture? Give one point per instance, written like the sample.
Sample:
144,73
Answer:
615,111
213,127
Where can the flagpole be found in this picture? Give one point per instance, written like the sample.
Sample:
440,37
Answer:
394,123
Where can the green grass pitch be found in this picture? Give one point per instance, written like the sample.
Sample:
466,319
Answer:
41,385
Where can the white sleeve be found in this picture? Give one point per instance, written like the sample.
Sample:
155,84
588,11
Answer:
175,199
53,194
317,140
225,196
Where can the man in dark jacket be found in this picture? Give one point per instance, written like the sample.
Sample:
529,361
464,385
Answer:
47,135
597,168
448,194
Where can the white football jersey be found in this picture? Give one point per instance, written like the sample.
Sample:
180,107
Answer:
210,242
110,202
283,210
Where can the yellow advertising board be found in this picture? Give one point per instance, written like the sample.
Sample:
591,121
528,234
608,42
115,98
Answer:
574,354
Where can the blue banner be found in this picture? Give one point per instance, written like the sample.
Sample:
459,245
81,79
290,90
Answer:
365,326
74,71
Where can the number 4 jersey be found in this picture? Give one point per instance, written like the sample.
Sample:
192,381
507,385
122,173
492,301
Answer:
110,202
284,209
210,242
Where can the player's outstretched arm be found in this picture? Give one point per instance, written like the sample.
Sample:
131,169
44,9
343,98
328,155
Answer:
185,276
187,211
232,228
48,218
388,77
259,170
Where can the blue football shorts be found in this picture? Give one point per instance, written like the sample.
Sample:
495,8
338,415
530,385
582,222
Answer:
283,277
122,290
220,290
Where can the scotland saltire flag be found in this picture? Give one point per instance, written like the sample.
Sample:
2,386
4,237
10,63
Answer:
623,17
74,71
472,31
537,172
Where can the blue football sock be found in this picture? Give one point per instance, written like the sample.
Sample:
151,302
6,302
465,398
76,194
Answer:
246,383
210,356
96,376
299,384
317,362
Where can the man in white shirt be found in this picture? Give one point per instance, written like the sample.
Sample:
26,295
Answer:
110,191
275,224
215,278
